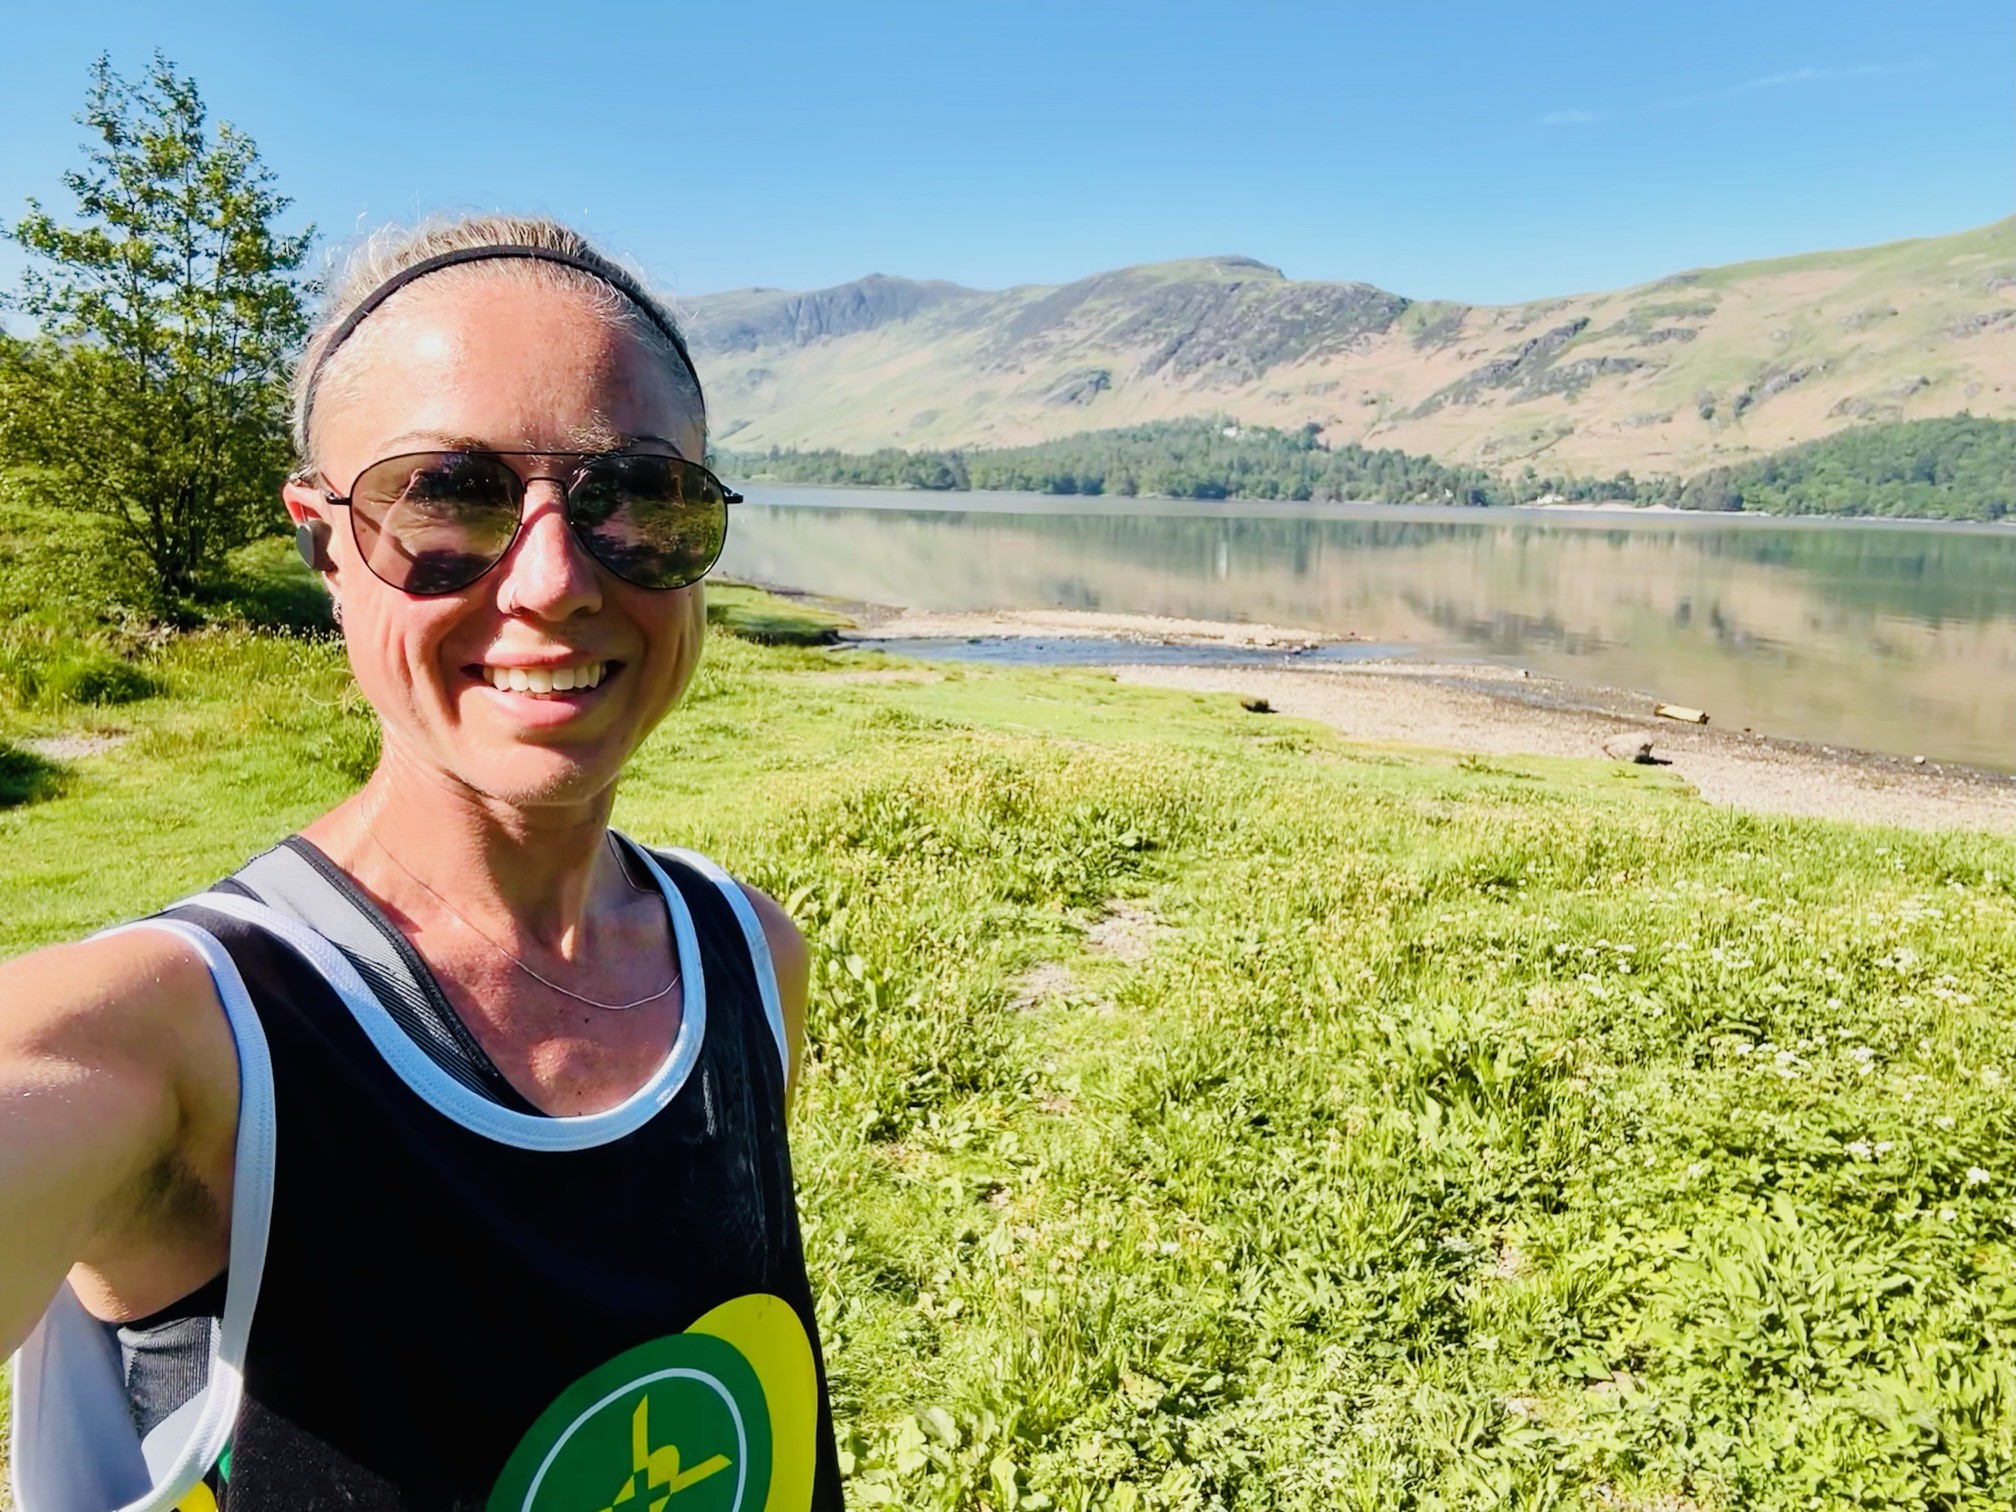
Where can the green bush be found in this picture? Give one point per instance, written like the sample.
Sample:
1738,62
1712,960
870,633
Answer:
25,777
50,671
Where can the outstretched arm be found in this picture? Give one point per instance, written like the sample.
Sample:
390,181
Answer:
118,1111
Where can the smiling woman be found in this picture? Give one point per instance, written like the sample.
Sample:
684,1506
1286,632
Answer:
389,1091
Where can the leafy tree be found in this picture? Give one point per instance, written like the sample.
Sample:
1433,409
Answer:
154,390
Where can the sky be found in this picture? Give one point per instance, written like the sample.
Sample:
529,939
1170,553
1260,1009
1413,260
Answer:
1486,152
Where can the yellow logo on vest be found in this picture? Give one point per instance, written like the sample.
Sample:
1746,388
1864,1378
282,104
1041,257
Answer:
651,1469
720,1418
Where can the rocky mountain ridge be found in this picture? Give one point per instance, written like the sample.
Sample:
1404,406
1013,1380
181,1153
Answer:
1703,367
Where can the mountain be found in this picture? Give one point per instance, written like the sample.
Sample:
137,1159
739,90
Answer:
1705,367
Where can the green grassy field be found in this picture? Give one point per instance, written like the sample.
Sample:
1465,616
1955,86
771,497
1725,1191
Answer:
1205,1112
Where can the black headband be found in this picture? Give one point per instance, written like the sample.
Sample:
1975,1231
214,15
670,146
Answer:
616,278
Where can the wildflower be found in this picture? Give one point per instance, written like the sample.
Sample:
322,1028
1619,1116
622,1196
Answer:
1976,1176
1885,1146
1944,1120
1860,1150
1947,1215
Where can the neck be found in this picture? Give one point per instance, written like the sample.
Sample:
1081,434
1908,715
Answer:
528,875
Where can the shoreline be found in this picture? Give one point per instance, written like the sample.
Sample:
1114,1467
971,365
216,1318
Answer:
1594,513
1485,709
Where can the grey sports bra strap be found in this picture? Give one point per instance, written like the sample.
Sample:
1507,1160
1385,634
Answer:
286,881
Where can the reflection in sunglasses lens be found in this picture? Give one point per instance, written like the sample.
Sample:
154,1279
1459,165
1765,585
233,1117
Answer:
655,521
435,522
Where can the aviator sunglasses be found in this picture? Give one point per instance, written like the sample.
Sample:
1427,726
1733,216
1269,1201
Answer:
434,522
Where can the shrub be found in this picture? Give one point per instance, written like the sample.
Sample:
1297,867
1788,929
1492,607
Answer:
25,777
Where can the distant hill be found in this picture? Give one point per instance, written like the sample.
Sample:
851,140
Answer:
1705,368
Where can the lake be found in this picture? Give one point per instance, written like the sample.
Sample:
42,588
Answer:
1890,637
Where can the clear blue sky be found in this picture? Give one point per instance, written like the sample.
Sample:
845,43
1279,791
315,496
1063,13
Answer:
1478,151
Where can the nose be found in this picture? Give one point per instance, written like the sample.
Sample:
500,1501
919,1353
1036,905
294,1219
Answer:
546,574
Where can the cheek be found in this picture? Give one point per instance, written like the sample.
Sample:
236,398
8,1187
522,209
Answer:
396,655
678,631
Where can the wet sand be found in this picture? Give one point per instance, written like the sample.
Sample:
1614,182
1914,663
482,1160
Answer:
1502,711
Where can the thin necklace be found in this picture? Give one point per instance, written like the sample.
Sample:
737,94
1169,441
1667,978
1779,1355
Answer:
543,981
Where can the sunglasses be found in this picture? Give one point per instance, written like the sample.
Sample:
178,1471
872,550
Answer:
434,522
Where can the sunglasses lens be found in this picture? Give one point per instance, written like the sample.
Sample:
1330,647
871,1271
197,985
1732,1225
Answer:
436,521
658,522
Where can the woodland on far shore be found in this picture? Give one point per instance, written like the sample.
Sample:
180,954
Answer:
1961,467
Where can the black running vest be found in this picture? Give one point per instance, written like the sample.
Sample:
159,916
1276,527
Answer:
464,1306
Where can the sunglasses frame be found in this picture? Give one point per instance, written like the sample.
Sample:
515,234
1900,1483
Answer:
568,482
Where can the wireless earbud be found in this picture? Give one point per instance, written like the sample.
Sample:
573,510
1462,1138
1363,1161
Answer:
311,539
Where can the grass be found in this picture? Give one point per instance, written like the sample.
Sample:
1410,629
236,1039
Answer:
1205,1112
771,620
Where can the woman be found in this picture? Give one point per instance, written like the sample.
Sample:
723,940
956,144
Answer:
437,1158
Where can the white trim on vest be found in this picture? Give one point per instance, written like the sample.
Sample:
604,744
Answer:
465,1106
759,947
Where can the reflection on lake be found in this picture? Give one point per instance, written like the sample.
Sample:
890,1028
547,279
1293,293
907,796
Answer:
1894,638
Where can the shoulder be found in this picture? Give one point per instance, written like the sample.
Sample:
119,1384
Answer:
791,959
141,996
788,950
132,1016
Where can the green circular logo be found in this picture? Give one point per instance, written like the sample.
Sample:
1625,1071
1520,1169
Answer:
676,1425
717,1419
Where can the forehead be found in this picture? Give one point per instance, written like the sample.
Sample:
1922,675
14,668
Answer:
513,364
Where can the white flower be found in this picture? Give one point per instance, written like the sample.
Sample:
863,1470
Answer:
1885,1146
1860,1150
1944,1120
1976,1176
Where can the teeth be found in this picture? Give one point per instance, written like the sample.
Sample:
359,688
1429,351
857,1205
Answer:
546,679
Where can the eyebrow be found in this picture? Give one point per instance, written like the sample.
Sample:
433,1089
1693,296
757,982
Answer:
588,438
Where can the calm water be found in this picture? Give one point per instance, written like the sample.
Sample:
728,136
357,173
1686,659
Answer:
1893,638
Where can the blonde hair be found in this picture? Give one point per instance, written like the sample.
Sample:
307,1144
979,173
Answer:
393,249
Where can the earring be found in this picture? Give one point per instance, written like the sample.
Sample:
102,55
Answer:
336,610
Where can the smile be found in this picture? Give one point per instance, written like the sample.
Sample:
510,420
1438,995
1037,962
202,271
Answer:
545,680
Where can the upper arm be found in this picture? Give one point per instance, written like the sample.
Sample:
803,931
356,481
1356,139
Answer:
793,962
109,1060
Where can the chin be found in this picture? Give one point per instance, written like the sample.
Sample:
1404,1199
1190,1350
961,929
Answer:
533,778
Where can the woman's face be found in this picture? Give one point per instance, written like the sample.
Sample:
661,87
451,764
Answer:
503,366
